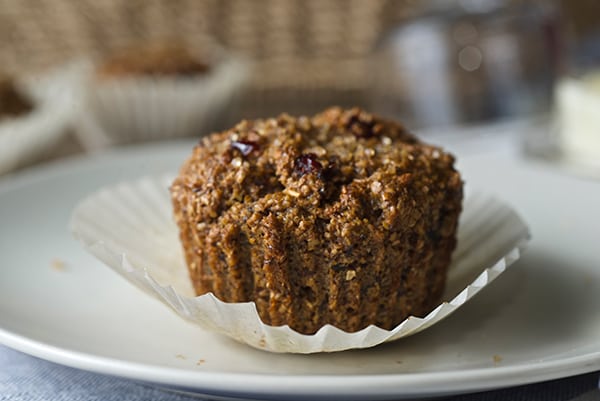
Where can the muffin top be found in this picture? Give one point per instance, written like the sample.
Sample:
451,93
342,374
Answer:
12,102
337,160
154,60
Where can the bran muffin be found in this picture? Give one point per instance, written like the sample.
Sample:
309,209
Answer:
343,218
12,102
153,60
159,90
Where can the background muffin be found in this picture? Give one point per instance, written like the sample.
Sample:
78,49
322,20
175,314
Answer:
36,113
342,219
159,90
13,103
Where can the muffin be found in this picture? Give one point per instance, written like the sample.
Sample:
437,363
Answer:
157,91
35,113
343,218
13,103
153,60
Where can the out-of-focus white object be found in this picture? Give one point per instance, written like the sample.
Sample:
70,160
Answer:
578,118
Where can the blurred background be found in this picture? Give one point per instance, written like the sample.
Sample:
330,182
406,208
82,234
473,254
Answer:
432,64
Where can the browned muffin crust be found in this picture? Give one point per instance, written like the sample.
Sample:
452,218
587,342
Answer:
155,59
343,218
12,102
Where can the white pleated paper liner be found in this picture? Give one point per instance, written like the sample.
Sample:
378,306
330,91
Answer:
28,137
132,109
130,228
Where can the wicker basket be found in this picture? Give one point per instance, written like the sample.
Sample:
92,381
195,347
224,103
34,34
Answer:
308,54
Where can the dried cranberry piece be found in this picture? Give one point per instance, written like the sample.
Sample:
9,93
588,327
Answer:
245,147
307,163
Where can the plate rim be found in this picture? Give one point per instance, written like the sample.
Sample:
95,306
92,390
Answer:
421,384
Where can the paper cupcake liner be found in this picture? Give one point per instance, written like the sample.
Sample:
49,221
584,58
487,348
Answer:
130,228
123,110
26,138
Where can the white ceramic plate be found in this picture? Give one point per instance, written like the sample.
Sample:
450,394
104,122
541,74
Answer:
540,320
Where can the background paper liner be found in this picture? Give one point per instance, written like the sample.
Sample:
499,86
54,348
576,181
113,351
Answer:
130,228
125,109
24,139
